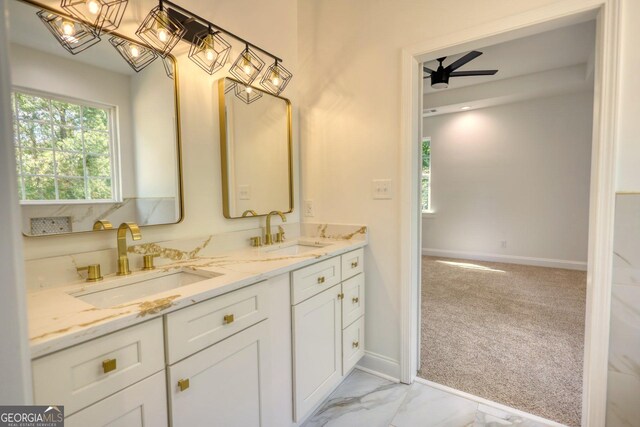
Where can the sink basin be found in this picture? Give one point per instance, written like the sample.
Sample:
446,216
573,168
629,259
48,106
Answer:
116,295
295,248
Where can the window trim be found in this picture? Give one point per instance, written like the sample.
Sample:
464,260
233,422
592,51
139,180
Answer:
114,144
429,213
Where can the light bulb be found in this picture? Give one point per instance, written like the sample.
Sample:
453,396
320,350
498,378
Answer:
163,35
134,50
246,66
248,89
275,79
93,6
68,28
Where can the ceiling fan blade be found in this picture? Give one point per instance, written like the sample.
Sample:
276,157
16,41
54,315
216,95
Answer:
428,70
460,62
473,73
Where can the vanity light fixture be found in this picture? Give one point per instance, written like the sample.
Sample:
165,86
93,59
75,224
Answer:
247,93
276,78
72,34
161,31
247,66
209,50
137,55
102,15
168,67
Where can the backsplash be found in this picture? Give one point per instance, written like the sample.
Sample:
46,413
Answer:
624,348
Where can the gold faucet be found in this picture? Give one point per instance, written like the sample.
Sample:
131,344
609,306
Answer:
268,238
102,224
249,212
123,259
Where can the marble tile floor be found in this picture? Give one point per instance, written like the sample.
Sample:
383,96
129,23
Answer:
365,400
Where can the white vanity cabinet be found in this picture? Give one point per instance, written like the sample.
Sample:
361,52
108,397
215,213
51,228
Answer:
328,327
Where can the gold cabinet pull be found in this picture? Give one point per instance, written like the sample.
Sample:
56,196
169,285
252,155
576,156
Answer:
356,344
321,279
228,318
340,295
354,264
183,384
109,365
355,300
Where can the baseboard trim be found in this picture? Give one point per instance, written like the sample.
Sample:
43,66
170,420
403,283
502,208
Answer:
380,365
377,374
488,402
509,259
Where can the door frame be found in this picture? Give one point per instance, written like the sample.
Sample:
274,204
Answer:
602,191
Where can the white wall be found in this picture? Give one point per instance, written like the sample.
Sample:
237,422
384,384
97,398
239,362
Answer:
517,173
349,56
271,25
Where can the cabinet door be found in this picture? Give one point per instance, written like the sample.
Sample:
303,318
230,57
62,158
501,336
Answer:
353,302
317,349
221,385
142,404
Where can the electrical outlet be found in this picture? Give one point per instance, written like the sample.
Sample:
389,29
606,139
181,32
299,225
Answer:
244,192
503,244
381,189
308,208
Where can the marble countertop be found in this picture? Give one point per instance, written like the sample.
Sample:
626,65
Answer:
58,320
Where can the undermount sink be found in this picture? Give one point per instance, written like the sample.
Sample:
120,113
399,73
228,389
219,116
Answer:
132,290
295,248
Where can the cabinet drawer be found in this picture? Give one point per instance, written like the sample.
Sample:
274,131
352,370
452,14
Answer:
352,345
353,301
82,375
314,279
201,325
143,404
352,263
223,385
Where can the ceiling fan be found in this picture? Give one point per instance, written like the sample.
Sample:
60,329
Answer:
440,77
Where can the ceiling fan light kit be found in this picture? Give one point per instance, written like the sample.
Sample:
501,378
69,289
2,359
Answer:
440,77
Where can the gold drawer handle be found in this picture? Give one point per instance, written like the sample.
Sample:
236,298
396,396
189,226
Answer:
183,384
355,300
354,264
228,318
340,295
356,344
109,365
321,279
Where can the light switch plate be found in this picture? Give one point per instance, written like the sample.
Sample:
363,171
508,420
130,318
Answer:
381,189
244,192
308,208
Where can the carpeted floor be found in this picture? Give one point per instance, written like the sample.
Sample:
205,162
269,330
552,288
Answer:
509,333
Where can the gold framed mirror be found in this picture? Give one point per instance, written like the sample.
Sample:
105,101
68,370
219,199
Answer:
95,138
256,150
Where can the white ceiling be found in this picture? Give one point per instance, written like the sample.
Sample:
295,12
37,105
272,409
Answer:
526,60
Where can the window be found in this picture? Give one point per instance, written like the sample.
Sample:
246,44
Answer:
64,149
426,175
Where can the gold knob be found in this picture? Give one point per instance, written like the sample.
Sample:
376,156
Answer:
148,262
356,344
354,264
228,318
256,241
109,365
321,279
340,295
355,300
183,384
93,272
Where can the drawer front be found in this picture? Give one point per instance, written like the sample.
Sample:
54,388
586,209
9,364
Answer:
82,375
353,301
314,279
352,345
352,263
191,329
143,404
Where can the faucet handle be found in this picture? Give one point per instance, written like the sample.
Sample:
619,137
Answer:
148,261
256,241
93,272
280,236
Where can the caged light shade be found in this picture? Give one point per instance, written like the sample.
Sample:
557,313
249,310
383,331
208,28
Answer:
103,15
138,56
246,93
209,50
276,78
247,66
169,66
160,31
73,35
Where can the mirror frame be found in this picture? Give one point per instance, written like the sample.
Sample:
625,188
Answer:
224,157
176,91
